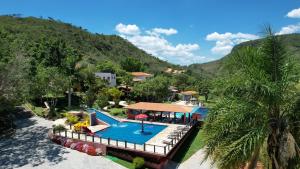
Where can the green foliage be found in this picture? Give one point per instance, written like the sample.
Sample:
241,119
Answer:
217,68
115,94
36,36
154,90
59,128
138,162
71,118
131,64
117,112
102,100
92,85
193,143
258,100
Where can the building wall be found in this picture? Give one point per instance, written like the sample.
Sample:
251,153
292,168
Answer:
109,77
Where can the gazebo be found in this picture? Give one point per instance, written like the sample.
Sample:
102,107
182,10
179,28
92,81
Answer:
158,109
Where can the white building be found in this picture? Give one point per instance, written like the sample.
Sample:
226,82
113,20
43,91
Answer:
109,77
140,76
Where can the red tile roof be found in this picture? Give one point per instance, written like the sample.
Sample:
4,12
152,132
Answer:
140,74
160,107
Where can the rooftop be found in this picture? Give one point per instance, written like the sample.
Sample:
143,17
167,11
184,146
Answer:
140,74
189,92
160,107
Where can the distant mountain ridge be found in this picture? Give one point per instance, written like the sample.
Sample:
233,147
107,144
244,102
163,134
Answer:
27,31
215,68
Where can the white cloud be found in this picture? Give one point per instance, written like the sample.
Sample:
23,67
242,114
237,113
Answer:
168,32
295,13
289,29
153,42
226,41
127,29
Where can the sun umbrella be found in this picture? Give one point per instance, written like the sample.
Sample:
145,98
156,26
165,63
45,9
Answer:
141,117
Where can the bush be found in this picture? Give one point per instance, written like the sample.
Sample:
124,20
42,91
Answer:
102,101
59,128
138,162
72,119
117,112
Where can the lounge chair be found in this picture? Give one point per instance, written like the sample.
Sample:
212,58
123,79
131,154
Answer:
167,141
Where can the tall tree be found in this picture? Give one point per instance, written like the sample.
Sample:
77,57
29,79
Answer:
255,114
53,84
131,64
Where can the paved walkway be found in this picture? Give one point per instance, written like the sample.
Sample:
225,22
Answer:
31,148
195,161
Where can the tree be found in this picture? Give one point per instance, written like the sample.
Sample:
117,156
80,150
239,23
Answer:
115,94
155,89
52,84
131,64
13,87
69,68
258,109
92,85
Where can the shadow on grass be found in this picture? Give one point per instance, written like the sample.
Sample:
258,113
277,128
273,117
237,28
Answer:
29,146
187,148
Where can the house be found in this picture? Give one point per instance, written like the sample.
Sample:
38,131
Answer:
188,95
140,76
109,77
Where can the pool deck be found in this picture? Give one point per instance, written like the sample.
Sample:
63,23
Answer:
162,135
155,145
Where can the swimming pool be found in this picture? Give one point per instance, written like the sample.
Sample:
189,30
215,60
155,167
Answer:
127,131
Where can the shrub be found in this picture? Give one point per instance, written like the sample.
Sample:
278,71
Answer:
59,128
117,112
102,101
71,118
138,162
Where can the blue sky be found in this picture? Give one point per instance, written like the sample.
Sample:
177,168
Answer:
179,31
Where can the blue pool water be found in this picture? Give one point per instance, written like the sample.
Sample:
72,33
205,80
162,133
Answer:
127,131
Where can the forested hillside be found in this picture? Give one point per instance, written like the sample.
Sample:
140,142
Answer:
25,34
291,42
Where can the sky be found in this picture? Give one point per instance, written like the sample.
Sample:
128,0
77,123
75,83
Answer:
179,31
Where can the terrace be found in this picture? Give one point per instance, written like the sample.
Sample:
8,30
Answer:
157,144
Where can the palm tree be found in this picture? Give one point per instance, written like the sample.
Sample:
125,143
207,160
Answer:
259,112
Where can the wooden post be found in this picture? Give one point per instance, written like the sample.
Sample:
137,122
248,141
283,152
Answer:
144,147
175,117
184,118
154,148
165,151
100,140
134,146
125,144
65,133
93,138
108,140
117,143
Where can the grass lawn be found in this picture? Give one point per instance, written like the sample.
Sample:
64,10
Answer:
193,143
120,161
210,102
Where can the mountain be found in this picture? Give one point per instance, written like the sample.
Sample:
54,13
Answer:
215,68
23,33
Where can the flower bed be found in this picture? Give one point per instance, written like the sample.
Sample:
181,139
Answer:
88,148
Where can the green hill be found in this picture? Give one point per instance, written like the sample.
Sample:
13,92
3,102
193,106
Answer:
24,33
214,68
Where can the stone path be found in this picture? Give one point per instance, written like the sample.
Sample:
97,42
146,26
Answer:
30,148
195,161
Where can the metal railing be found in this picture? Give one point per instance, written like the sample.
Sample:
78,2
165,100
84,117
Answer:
150,148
